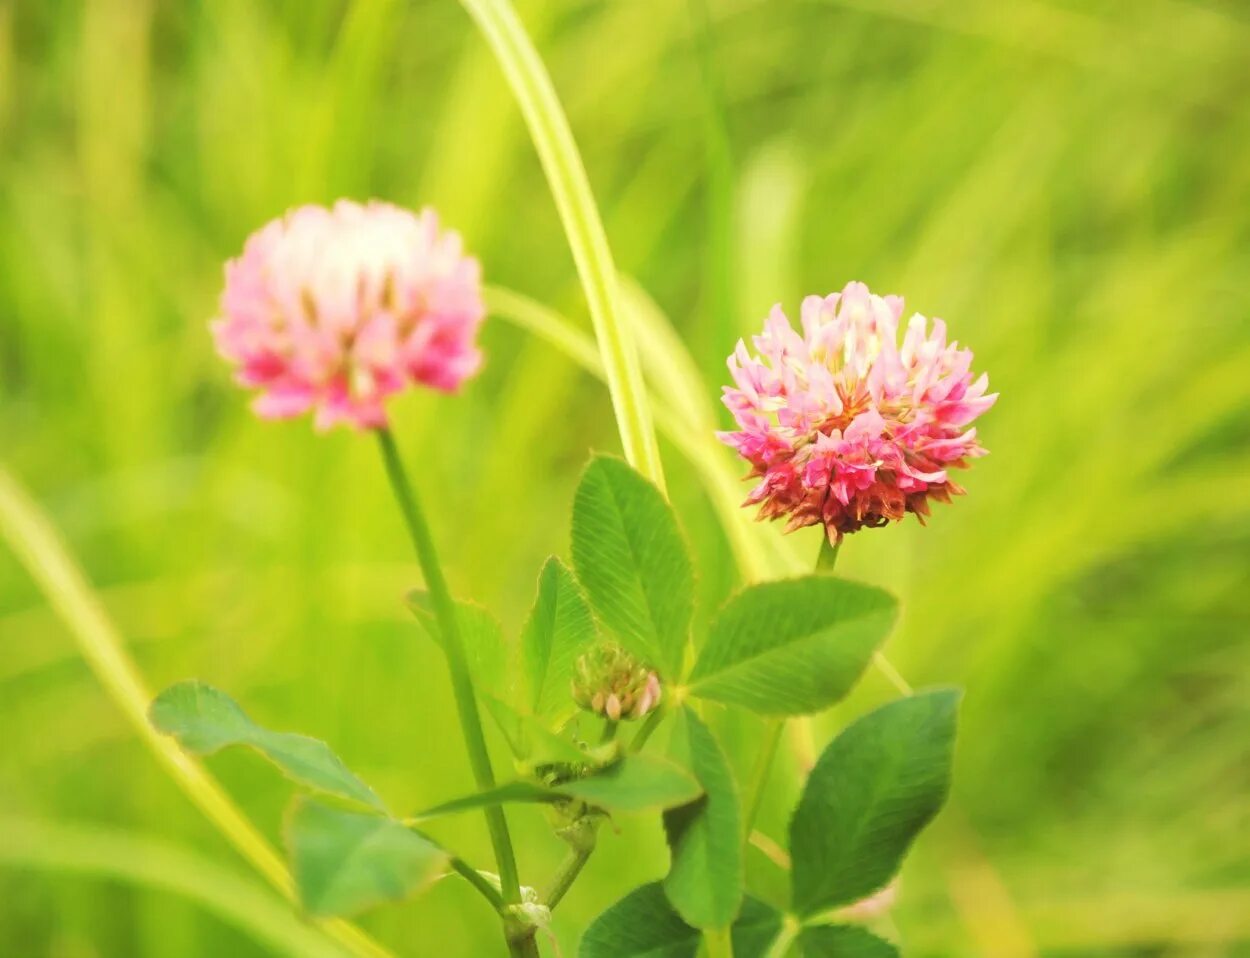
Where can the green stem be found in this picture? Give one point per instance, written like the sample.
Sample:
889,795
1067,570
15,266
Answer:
478,881
570,187
759,776
780,947
828,556
649,725
825,562
457,664
718,943
566,874
609,731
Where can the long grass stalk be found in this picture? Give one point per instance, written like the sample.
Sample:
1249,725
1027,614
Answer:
566,176
148,862
38,547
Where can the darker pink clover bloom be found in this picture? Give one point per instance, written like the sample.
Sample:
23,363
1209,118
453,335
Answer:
843,426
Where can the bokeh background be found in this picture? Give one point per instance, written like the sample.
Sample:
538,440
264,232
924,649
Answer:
1067,183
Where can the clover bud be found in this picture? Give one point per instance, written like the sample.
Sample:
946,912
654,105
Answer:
613,684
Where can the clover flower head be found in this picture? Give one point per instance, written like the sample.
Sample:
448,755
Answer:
610,682
336,309
843,426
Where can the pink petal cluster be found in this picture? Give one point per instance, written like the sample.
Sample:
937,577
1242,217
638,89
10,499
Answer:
334,310
610,682
845,427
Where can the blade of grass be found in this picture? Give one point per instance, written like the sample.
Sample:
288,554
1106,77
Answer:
666,362
755,548
721,289
588,241
37,546
120,856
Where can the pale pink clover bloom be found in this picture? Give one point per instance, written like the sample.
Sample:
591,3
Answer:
844,427
335,310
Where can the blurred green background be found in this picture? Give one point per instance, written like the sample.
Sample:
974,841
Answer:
1067,183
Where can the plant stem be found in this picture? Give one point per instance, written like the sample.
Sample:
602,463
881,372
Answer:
781,944
457,663
770,850
39,548
557,151
719,943
565,875
759,776
828,556
649,725
893,675
825,561
479,882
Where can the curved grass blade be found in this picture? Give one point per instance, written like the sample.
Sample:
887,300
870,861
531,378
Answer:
588,241
38,547
118,856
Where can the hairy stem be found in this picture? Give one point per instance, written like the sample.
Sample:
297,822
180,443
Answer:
565,875
457,664
566,176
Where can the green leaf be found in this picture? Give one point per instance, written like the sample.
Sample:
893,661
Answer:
559,627
704,882
204,719
842,941
757,927
874,788
344,862
634,784
640,925
632,561
794,646
484,645
643,924
507,793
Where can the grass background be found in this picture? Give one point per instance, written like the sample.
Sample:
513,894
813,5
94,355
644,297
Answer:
1066,183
